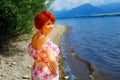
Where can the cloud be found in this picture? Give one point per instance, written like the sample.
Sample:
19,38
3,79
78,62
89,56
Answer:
86,1
96,2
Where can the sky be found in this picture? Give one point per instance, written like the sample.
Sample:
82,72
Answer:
69,4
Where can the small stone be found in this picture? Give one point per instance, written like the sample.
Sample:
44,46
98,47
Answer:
2,75
64,57
1,67
7,62
13,63
29,66
91,77
66,77
26,77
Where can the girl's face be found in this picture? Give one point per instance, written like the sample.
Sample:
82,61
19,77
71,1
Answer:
47,28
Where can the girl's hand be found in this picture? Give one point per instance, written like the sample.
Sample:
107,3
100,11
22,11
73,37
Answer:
53,67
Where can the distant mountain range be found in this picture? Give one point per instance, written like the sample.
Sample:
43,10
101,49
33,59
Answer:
88,10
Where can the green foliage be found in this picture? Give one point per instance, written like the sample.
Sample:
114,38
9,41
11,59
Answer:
16,17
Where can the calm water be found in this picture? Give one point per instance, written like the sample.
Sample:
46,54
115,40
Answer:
97,40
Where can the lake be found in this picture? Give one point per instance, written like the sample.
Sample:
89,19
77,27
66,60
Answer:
97,40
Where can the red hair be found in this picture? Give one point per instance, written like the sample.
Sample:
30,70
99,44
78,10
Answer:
42,17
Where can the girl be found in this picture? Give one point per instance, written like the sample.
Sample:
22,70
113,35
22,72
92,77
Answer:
43,50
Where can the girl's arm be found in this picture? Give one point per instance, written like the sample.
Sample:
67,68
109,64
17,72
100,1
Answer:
52,61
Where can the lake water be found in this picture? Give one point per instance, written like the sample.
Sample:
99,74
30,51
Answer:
97,40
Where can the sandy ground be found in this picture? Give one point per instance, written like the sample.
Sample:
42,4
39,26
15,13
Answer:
16,64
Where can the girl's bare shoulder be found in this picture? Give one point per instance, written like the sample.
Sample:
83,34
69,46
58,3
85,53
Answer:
38,40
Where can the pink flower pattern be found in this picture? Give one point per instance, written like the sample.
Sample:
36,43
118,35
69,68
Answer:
40,72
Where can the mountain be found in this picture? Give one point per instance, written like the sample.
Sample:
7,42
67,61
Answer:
88,10
112,7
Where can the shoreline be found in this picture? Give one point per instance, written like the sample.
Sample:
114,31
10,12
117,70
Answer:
56,36
75,68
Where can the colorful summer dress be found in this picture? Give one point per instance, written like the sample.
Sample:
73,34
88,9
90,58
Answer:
39,69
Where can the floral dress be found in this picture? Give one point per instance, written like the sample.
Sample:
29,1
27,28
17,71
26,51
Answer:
39,69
